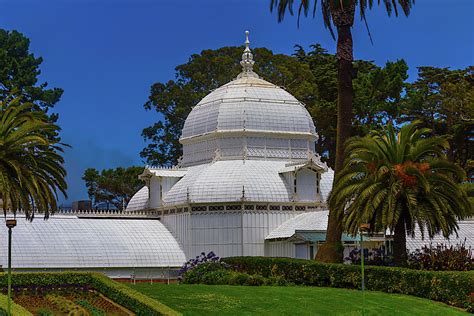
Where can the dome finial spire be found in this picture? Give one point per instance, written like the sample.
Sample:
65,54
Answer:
247,42
247,60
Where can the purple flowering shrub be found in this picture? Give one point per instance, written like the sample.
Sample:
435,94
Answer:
203,265
209,269
435,258
199,260
442,258
374,257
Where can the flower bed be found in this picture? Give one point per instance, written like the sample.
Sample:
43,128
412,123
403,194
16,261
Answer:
71,284
69,302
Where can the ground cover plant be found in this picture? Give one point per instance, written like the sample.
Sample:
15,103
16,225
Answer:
199,299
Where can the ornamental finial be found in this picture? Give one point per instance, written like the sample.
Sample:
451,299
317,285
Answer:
247,42
247,60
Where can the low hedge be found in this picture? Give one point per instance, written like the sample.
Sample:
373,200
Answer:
120,293
17,310
453,288
213,273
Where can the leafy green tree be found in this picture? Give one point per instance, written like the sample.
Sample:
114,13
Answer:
20,70
443,100
31,165
340,14
311,76
114,186
203,73
377,96
398,181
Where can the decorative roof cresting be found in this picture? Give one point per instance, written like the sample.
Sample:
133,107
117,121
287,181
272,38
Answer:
247,60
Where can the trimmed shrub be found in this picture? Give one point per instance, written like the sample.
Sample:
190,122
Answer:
129,298
215,273
121,294
211,271
453,288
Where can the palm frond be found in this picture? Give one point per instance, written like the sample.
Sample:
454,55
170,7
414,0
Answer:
31,168
391,176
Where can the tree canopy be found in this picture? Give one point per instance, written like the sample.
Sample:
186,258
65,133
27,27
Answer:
310,76
443,99
114,186
19,72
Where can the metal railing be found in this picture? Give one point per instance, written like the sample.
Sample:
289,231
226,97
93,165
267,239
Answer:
96,213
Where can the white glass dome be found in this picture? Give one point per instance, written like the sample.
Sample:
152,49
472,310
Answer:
248,118
237,143
139,201
248,104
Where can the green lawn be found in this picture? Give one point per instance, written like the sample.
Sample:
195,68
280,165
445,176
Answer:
294,300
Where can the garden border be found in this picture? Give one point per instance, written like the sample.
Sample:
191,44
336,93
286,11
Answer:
120,293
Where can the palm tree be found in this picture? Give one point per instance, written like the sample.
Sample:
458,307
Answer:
339,13
398,181
31,167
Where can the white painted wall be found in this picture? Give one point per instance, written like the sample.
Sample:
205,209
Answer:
217,232
281,248
226,233
306,185
166,184
233,233
257,225
179,226
155,200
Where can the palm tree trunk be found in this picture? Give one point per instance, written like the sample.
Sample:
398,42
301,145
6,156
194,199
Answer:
332,249
400,244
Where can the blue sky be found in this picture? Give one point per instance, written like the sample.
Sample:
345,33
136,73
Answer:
105,54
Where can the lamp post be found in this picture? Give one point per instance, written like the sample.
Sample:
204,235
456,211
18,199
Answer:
363,228
10,224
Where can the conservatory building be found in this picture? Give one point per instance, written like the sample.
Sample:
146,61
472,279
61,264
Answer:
249,183
248,166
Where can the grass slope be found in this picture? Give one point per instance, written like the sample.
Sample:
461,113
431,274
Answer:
263,300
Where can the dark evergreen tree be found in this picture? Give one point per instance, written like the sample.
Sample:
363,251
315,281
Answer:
113,186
